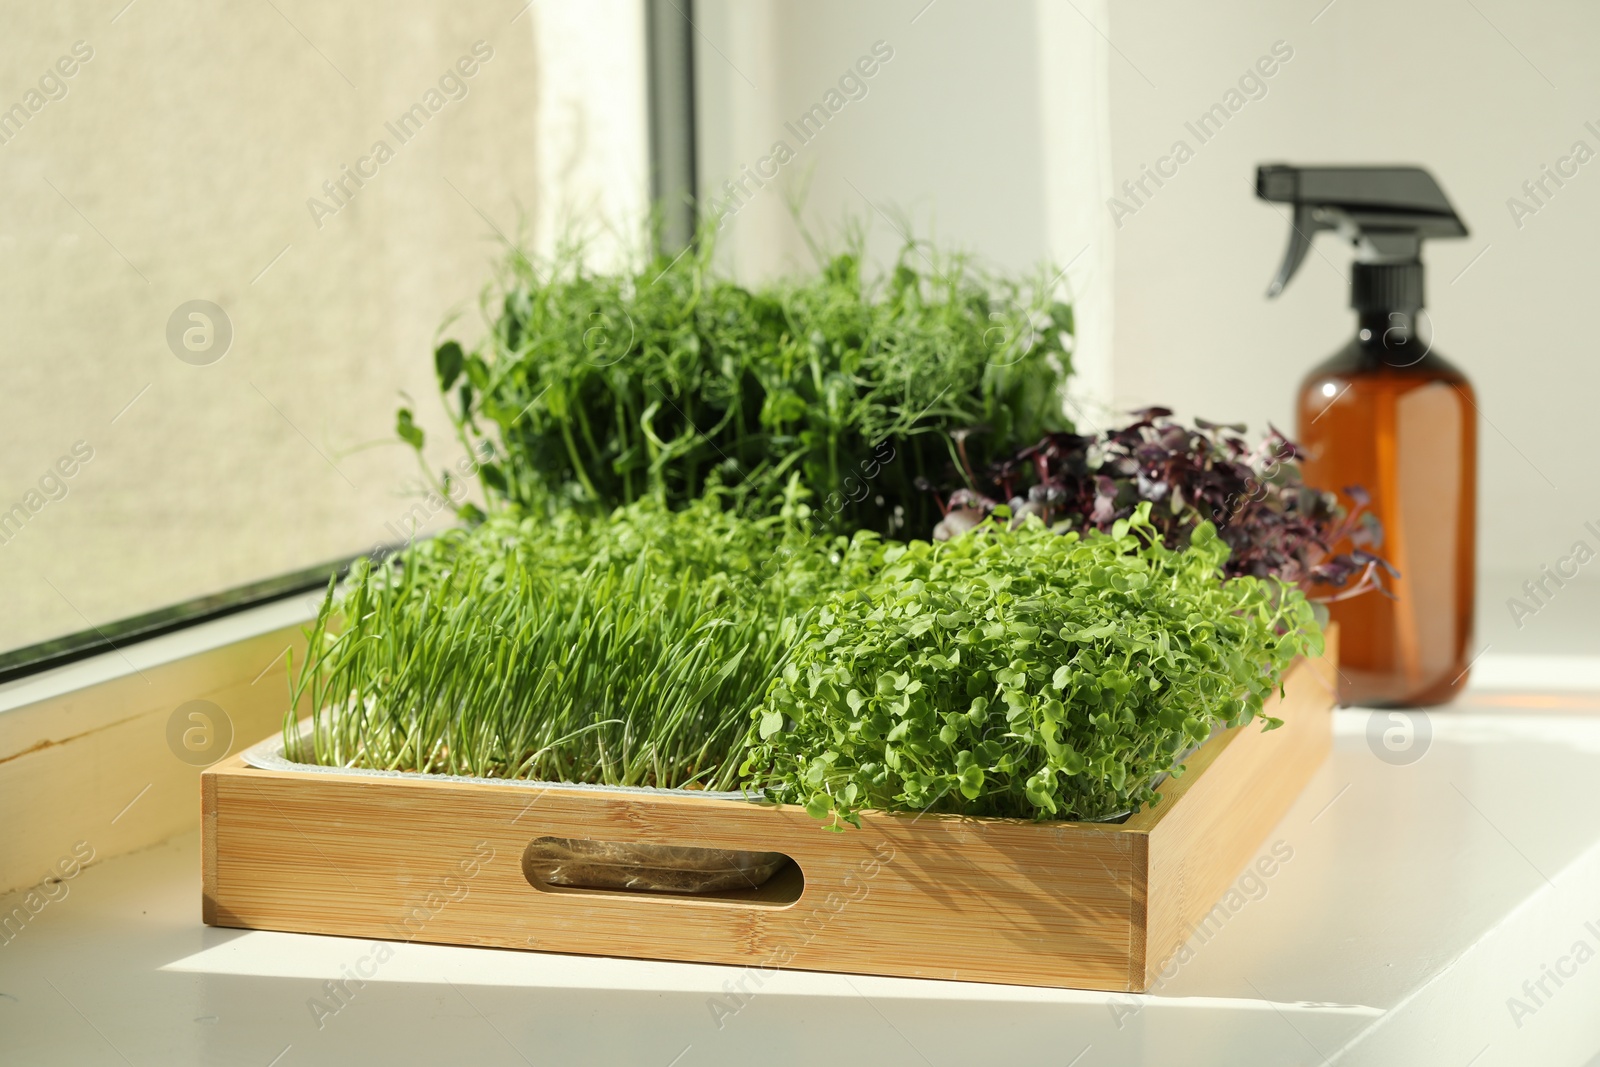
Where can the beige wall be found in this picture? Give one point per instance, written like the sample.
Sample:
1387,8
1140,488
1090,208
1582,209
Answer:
178,166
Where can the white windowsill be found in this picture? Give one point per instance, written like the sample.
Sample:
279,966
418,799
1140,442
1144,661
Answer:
138,656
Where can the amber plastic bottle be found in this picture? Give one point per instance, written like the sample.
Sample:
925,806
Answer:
1395,418
1390,416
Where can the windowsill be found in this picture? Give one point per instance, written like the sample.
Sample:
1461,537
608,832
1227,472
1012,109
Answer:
133,658
1417,899
87,751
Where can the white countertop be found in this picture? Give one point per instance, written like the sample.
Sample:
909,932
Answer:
1420,897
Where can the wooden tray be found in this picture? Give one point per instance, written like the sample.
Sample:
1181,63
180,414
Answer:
1085,905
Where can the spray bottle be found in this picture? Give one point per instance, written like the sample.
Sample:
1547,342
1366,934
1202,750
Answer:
1387,413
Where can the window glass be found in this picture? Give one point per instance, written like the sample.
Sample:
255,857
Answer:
229,235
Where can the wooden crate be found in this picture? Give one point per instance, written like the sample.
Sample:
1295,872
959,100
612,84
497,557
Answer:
1085,905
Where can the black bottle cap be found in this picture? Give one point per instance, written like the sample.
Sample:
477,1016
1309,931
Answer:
1386,286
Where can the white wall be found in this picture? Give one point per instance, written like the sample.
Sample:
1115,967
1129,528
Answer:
1482,94
987,127
986,130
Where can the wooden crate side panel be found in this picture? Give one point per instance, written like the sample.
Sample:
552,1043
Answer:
208,855
1138,911
1210,825
934,896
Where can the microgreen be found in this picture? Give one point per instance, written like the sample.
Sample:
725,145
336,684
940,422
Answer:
600,389
662,592
1274,524
625,650
1022,673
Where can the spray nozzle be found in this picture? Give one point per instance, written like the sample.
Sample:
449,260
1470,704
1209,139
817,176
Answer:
1385,212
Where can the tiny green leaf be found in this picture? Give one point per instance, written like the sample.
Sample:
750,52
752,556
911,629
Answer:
448,360
407,429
